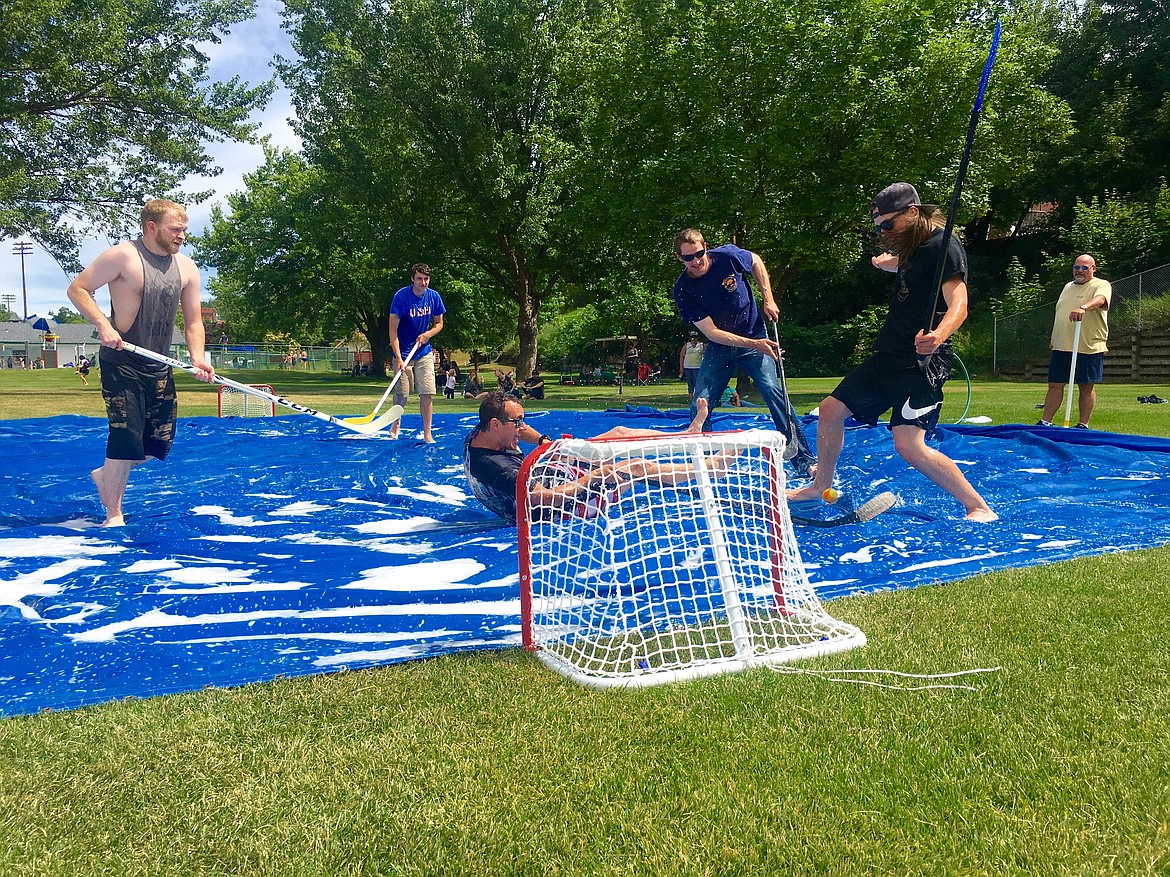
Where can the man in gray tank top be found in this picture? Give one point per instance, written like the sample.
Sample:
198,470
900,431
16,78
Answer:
149,280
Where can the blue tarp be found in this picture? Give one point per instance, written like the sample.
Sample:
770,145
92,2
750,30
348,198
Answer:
284,547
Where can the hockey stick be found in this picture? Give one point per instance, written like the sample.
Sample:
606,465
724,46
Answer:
1072,373
359,421
866,512
365,429
924,362
790,447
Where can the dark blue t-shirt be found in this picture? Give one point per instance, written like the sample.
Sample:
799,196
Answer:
722,294
492,476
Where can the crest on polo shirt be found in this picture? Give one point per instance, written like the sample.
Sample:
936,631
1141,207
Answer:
729,283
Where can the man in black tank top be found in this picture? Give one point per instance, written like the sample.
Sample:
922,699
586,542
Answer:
148,280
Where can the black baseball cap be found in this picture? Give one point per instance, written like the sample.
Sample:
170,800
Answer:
898,196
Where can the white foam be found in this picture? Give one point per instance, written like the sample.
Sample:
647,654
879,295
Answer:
39,583
300,509
934,564
158,618
57,546
228,518
437,576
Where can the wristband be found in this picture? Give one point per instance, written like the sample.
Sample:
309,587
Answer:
545,439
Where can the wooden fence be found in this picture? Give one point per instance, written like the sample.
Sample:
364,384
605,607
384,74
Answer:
1136,358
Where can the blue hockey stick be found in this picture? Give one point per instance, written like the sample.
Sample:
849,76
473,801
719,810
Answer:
924,362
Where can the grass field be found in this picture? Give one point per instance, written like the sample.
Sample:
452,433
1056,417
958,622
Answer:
489,764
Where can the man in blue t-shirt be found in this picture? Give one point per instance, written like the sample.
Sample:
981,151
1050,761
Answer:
713,293
416,314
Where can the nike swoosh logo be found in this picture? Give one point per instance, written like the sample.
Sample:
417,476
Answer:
914,413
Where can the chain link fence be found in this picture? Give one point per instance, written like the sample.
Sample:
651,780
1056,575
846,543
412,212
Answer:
1140,302
244,357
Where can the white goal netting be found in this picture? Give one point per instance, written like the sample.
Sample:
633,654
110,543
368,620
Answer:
237,403
658,559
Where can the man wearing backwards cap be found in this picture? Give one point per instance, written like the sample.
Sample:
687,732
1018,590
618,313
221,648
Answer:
890,380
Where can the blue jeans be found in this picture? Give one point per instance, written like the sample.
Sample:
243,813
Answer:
719,365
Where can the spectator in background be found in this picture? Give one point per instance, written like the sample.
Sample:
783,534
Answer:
689,360
1085,300
533,387
472,389
449,386
83,369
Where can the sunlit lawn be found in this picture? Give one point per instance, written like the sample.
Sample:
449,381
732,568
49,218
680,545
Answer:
489,764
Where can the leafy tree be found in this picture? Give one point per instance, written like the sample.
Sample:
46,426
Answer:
444,117
68,315
290,257
772,123
1023,293
104,104
1125,235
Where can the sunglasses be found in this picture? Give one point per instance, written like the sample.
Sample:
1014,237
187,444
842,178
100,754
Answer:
690,257
519,421
1080,268
888,224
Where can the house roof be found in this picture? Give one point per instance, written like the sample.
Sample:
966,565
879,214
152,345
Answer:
18,332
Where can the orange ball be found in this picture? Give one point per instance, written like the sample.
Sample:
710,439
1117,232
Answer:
830,496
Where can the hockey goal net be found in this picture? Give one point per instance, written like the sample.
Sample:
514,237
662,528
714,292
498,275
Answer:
664,558
237,403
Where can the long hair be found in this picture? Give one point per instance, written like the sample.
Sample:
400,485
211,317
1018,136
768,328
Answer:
905,242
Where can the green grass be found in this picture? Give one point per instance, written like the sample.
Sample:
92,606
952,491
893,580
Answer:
59,391
489,764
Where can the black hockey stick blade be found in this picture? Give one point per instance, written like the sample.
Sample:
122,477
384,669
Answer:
866,512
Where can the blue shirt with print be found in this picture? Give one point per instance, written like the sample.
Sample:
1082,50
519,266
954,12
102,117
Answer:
414,317
722,294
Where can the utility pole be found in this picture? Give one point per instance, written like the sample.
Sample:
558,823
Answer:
22,249
9,300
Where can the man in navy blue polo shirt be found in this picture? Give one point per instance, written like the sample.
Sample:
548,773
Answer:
712,292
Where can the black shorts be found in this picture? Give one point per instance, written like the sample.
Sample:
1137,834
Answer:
140,406
886,383
1090,367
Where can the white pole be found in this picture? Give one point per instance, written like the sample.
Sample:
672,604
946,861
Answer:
1072,373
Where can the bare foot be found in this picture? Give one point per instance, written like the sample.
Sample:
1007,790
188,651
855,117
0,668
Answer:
701,407
429,441
99,481
802,494
983,516
98,476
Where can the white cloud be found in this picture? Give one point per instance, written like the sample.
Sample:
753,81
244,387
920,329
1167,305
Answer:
248,52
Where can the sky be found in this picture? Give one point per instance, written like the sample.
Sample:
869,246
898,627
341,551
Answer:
248,52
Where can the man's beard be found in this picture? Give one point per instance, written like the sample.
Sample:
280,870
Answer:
166,246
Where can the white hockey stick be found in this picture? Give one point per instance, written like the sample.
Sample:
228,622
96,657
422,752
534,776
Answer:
365,429
358,421
1072,373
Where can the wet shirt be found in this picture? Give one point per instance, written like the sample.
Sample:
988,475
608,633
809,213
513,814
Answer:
492,475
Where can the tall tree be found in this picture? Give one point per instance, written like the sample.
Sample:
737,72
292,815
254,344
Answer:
445,116
773,122
293,256
104,104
